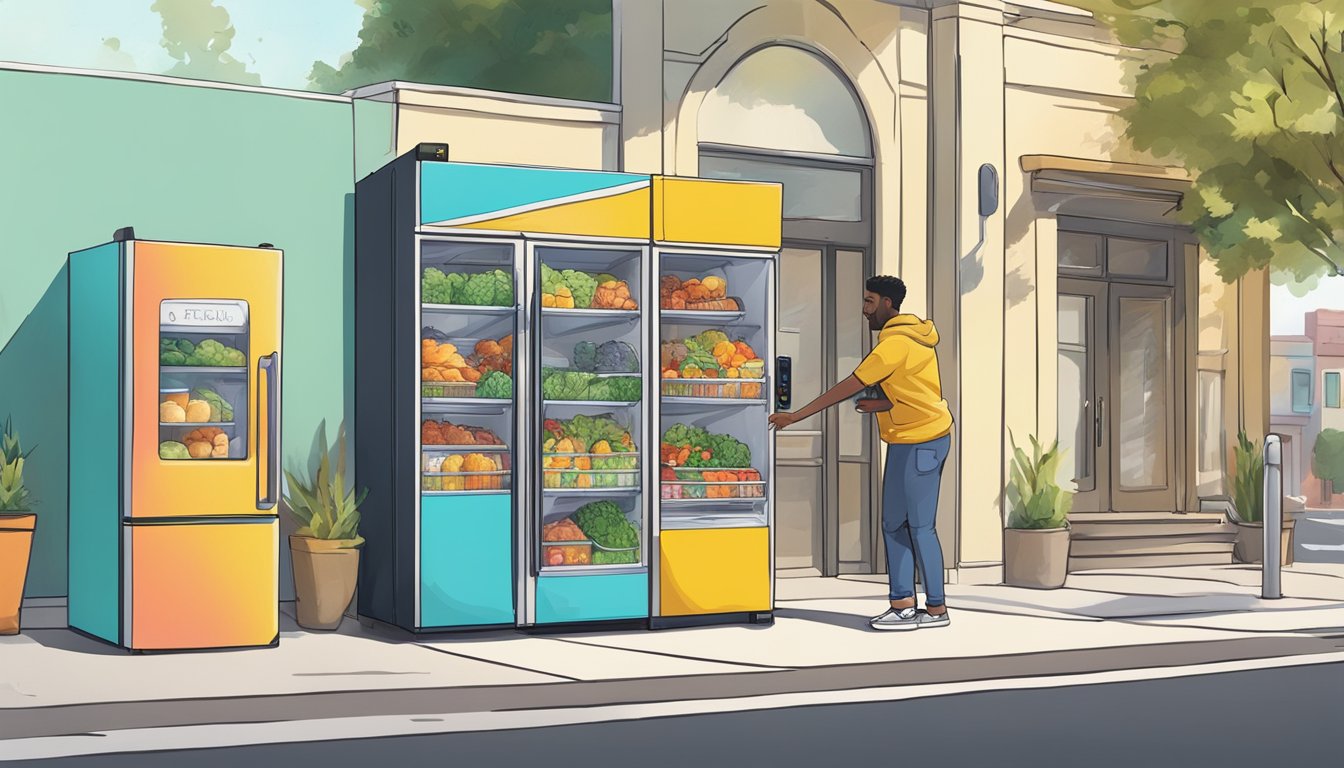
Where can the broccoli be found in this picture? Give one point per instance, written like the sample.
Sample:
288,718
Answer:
565,385
496,385
550,280
503,288
616,357
585,356
172,357
607,526
438,288
479,290
582,285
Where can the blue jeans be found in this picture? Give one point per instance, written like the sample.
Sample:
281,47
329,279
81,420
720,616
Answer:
909,512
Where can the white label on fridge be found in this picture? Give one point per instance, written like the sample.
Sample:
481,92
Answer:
204,313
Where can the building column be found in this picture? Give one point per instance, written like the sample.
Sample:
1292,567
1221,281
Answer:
967,301
639,78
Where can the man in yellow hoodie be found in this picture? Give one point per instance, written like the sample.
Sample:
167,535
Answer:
915,423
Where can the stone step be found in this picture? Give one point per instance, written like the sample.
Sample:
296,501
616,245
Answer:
1131,530
1151,545
1149,561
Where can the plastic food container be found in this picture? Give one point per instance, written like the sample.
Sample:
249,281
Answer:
179,396
744,389
617,555
561,553
448,389
496,480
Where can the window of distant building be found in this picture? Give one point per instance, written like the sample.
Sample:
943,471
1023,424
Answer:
1332,389
1302,391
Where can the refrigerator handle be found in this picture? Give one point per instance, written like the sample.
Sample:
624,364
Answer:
270,364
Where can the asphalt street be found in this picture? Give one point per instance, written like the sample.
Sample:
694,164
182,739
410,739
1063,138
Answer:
1263,718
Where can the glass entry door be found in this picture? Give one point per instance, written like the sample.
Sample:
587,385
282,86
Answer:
826,486
1116,394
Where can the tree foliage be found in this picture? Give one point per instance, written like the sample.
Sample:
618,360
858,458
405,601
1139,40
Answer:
1247,96
1327,457
198,34
559,48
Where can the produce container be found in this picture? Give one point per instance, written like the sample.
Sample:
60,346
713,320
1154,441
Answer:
616,555
179,396
560,553
598,389
448,389
465,481
744,389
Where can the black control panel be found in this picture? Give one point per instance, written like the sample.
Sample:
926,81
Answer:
783,383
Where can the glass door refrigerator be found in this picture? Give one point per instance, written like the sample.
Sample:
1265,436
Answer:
174,377
715,257
501,394
585,548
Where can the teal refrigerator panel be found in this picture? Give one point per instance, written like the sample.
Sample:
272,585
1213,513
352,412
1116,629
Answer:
466,560
453,191
95,428
595,597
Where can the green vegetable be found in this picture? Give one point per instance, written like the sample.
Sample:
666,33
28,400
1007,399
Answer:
582,285
172,358
503,288
173,450
479,290
726,452
606,278
220,409
585,356
566,385
496,385
438,288
210,353
591,429
550,280
625,389
607,526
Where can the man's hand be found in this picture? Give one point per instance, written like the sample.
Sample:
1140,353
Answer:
873,405
781,420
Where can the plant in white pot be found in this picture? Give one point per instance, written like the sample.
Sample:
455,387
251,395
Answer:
1248,505
325,549
1036,539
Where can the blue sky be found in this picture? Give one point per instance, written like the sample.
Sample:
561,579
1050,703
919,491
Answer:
277,39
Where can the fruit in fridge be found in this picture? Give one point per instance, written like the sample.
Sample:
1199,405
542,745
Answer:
198,411
220,409
171,413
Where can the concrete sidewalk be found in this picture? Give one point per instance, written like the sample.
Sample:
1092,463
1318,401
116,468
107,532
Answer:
54,682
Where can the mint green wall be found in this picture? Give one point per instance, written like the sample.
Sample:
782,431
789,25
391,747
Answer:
85,155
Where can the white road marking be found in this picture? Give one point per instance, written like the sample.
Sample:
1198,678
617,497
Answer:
344,728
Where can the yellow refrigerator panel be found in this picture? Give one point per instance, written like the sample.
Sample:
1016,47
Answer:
714,570
714,212
204,351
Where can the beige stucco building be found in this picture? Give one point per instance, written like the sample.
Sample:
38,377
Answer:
1078,308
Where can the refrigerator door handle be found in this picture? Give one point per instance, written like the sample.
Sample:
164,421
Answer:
270,364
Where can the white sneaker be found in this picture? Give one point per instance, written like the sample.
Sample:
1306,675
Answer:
926,619
896,621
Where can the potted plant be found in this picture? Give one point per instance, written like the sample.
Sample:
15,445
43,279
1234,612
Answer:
1036,539
1248,505
325,548
17,523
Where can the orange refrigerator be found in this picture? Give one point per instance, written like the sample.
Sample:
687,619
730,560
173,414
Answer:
174,376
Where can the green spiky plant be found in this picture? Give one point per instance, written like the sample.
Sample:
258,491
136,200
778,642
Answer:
1248,480
323,504
1036,500
14,495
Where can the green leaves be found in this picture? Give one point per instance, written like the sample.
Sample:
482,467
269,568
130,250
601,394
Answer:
14,495
1248,480
1248,97
321,503
1327,457
1036,500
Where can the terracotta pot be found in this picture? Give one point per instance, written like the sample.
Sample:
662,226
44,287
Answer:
1249,546
325,571
1037,558
16,543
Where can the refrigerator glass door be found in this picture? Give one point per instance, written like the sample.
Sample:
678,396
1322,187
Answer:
203,343
201,585
467,432
591,352
715,328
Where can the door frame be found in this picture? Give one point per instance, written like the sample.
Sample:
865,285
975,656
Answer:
1181,273
826,551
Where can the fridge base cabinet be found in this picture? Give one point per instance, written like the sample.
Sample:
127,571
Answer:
466,561
202,585
714,571
592,597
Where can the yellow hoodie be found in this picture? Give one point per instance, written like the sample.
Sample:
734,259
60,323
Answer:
906,364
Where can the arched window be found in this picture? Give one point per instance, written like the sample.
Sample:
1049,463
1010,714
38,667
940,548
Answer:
786,114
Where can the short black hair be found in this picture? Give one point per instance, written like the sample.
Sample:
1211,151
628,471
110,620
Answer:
887,287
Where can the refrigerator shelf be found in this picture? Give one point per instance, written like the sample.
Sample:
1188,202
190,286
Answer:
715,402
714,389
213,369
196,424
740,501
629,314
702,315
689,520
634,491
476,448
592,570
468,309
485,404
488,492
594,403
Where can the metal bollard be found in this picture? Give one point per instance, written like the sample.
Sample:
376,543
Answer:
1273,519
